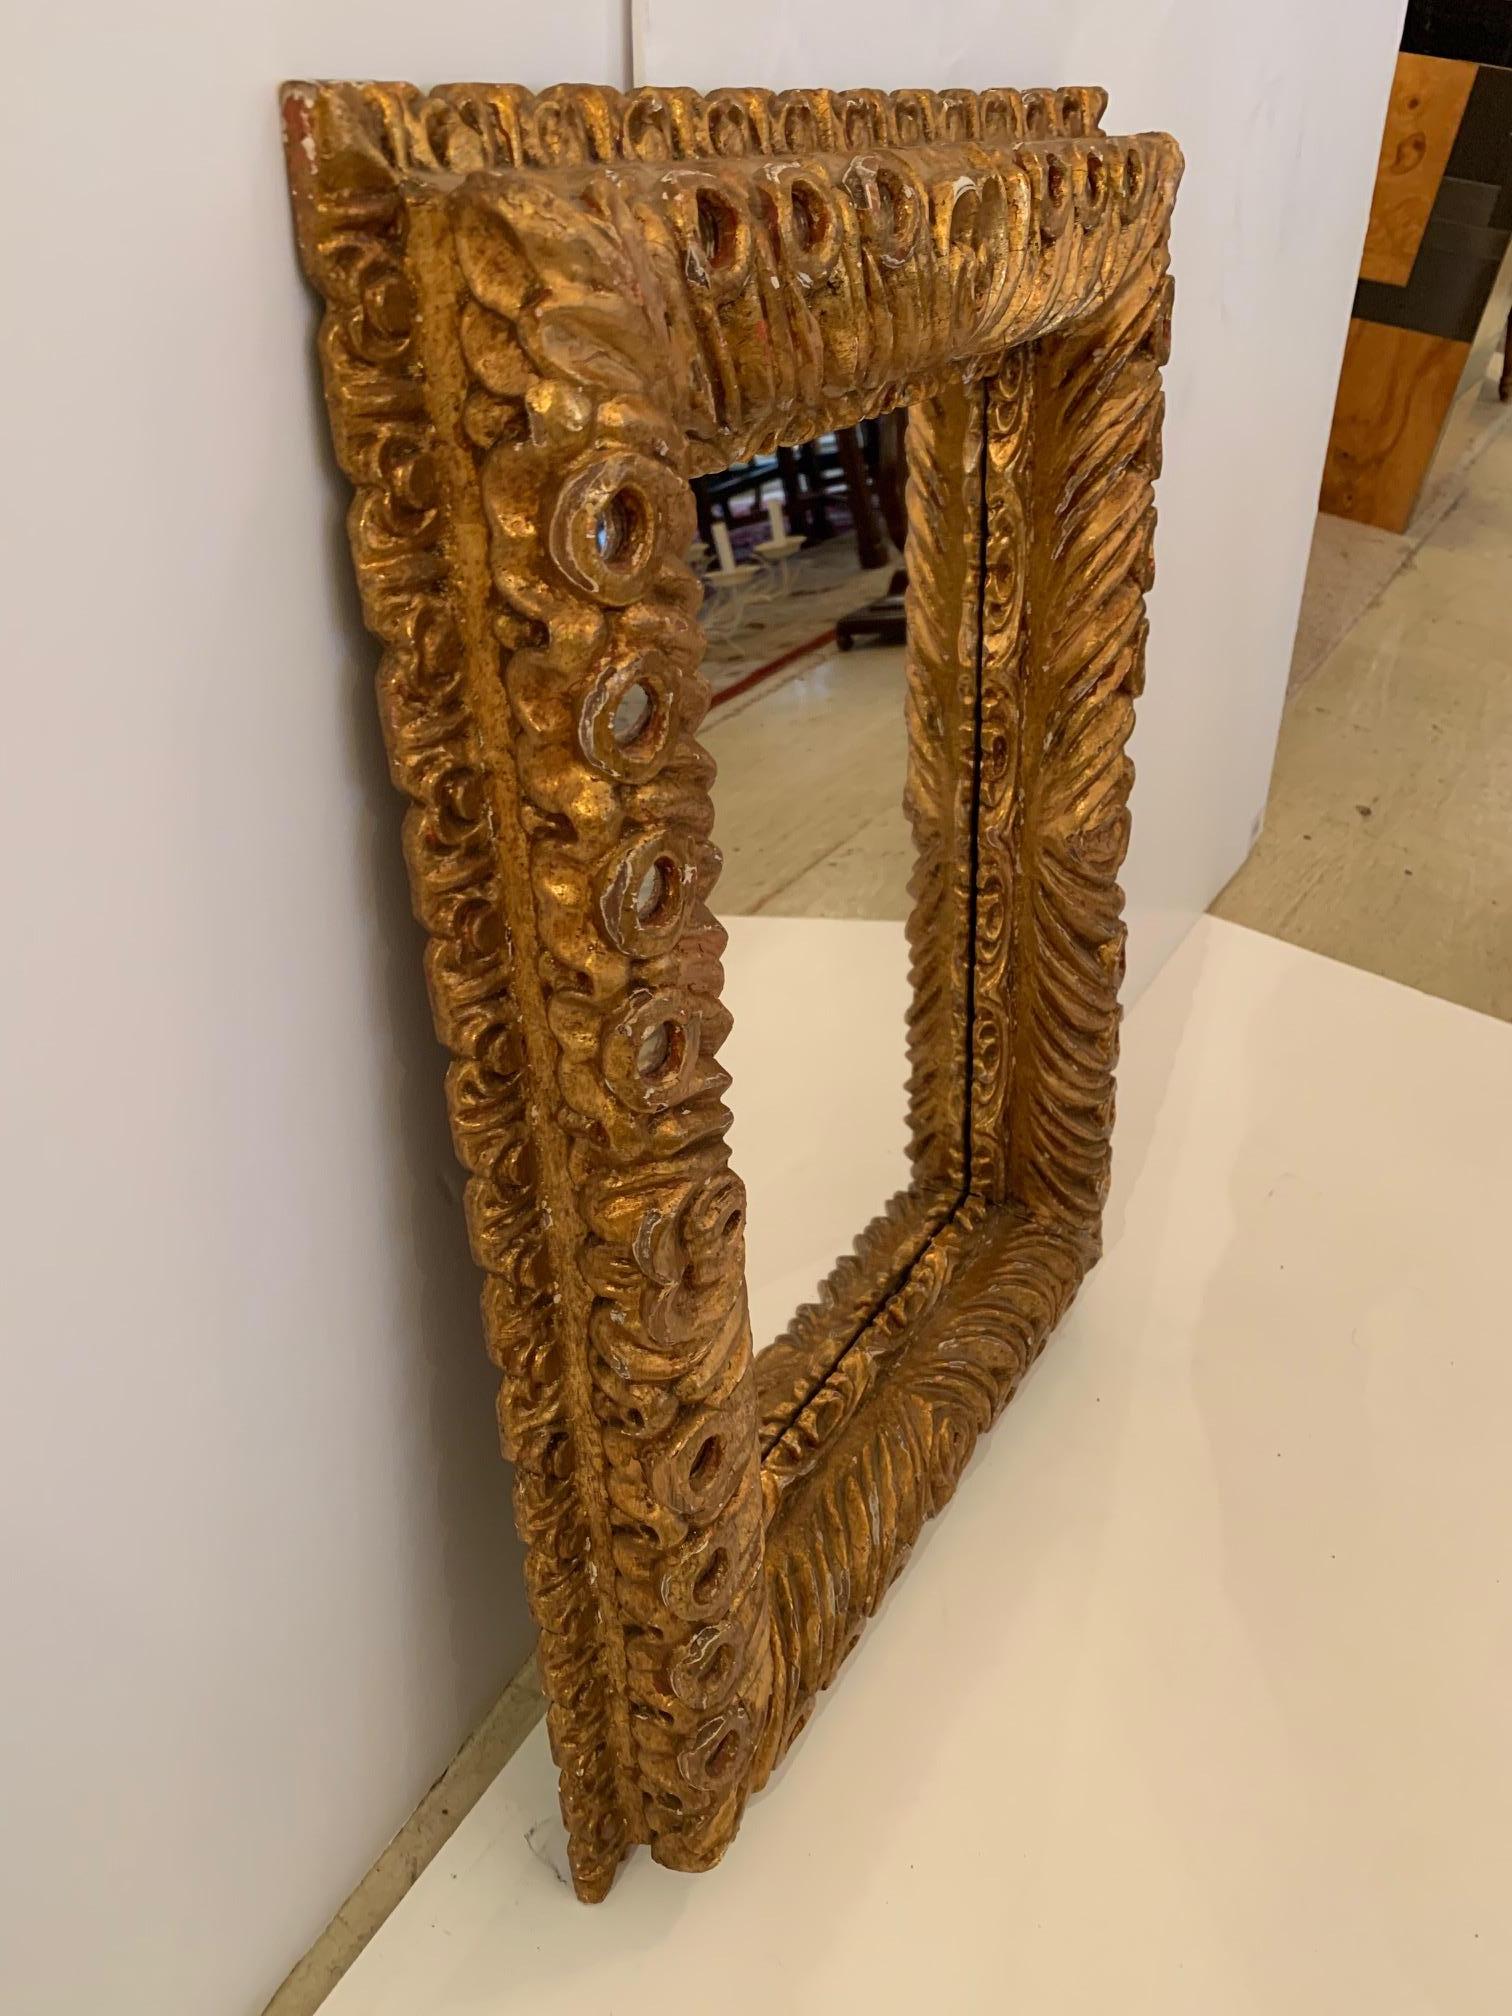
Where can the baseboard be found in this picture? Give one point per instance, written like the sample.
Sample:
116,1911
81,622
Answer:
428,1828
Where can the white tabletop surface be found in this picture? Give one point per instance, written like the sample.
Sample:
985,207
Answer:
1199,1696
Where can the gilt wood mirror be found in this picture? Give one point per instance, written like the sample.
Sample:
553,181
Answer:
545,317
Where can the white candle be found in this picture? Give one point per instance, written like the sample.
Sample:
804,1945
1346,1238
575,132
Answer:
723,547
775,518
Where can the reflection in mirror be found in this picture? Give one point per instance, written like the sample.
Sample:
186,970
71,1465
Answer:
800,555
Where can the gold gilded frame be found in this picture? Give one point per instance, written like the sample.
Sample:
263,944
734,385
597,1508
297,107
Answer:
544,314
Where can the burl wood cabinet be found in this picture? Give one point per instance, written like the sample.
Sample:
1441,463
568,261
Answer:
1440,220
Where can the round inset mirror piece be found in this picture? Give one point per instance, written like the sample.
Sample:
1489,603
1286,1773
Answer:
653,892
608,523
651,1050
619,526
659,1052
632,715
643,892
627,719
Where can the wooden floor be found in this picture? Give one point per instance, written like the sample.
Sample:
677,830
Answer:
808,803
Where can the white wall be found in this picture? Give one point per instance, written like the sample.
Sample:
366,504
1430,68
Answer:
1278,109
259,1574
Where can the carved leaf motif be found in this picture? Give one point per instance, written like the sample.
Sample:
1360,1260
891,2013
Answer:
563,277
1099,394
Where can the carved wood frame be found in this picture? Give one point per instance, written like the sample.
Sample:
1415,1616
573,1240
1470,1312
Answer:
543,315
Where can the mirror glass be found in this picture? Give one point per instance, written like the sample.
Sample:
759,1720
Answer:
801,559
